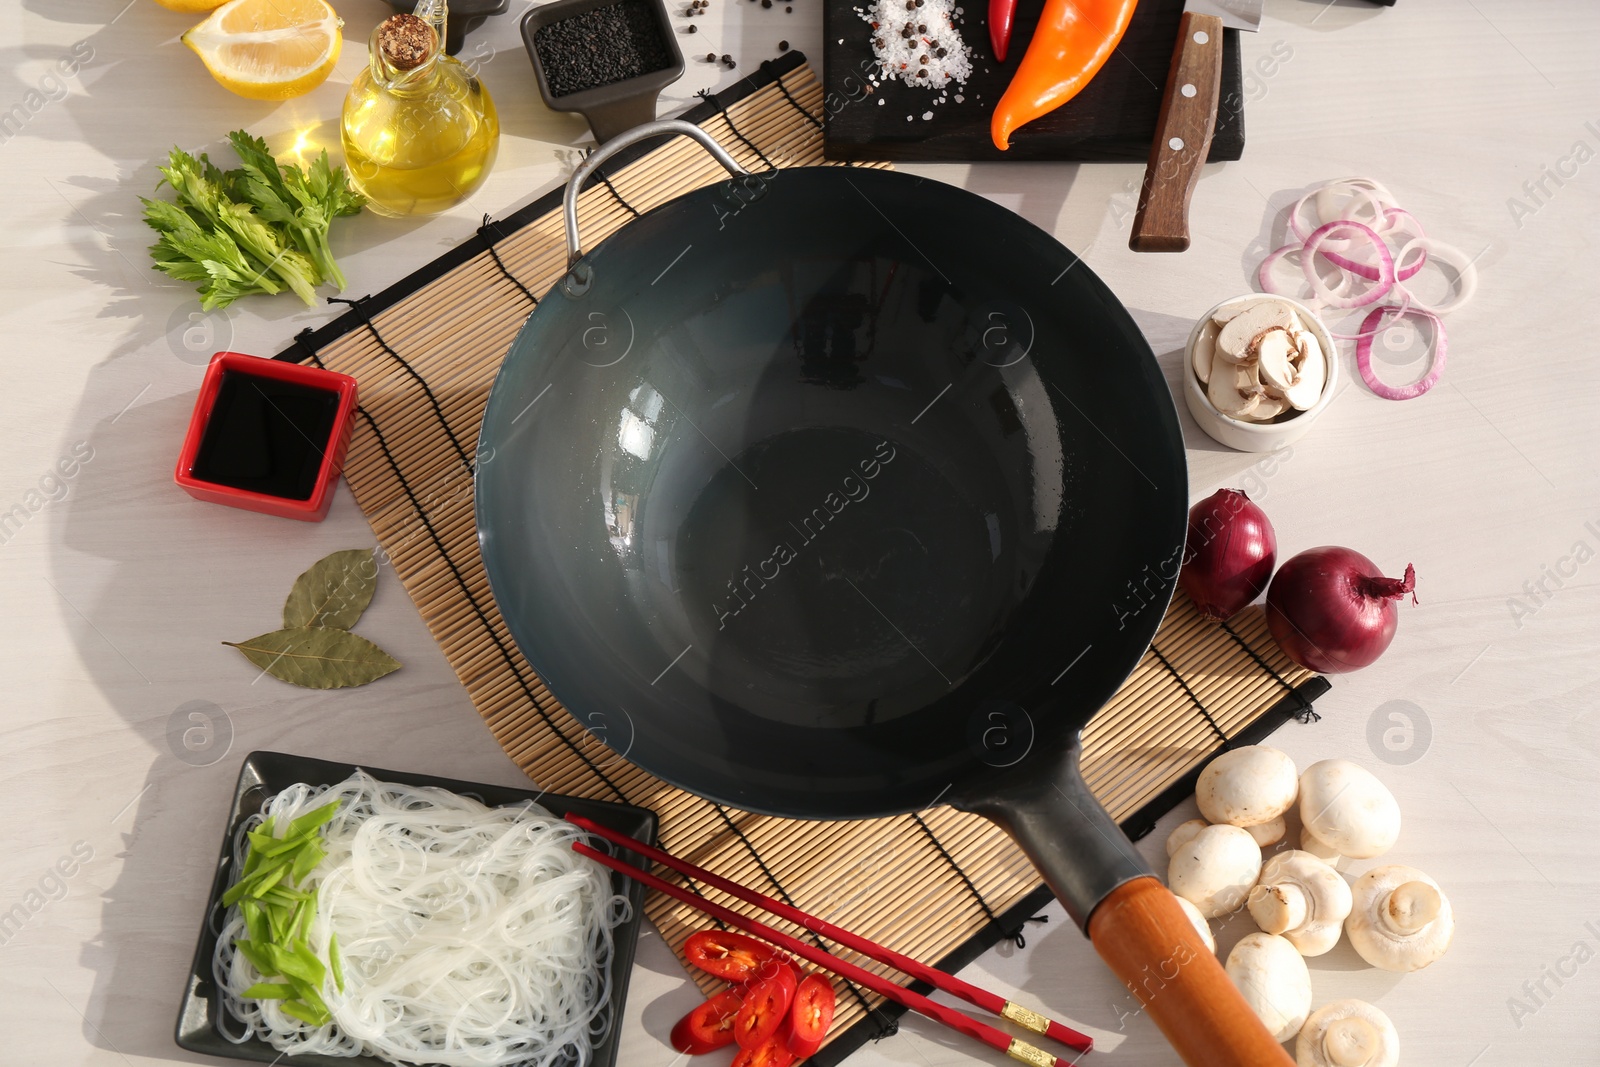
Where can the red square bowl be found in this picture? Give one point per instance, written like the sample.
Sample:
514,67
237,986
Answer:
268,436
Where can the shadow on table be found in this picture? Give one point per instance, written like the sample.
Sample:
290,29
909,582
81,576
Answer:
140,570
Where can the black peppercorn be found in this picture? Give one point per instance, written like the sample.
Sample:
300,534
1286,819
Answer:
922,74
691,28
924,61
905,31
731,64
783,46
941,53
922,27
711,57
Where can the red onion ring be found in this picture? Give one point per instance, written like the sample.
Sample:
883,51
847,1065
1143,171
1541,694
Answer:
1466,273
1385,279
1369,326
1402,271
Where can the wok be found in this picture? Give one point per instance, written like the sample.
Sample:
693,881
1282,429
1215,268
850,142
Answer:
854,493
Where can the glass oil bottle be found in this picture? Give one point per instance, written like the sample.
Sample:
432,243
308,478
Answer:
420,131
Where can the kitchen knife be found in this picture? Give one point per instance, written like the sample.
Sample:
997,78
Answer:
1184,127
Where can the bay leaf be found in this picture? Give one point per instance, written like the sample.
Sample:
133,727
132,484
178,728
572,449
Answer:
333,591
317,657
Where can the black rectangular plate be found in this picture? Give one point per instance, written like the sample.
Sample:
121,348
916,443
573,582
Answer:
1112,121
266,773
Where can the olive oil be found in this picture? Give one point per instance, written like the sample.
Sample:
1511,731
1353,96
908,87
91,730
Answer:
420,131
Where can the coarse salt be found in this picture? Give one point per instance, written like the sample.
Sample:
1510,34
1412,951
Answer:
903,37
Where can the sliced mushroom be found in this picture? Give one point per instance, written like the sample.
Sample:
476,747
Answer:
1276,350
1215,869
1401,920
1233,341
1246,786
1344,806
1233,388
1268,407
1224,314
1302,899
1274,981
1347,1033
1201,927
1311,374
1182,833
1268,833
1205,346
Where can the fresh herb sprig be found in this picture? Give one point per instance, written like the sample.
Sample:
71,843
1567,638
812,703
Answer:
260,228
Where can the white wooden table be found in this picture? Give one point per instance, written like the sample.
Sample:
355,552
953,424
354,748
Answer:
117,588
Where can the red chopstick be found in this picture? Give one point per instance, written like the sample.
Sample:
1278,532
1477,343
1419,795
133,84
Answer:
983,998
1014,1047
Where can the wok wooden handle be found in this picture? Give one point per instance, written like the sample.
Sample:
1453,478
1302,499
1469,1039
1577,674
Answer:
1147,940
1183,137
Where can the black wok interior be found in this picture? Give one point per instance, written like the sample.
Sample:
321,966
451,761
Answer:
830,491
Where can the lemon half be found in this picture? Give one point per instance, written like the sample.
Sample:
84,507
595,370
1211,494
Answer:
269,49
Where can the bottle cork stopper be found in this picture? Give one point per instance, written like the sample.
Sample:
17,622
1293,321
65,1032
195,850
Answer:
406,41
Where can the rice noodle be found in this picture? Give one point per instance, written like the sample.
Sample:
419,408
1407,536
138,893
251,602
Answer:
470,936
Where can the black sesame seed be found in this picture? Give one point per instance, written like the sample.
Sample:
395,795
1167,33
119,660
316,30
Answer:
600,47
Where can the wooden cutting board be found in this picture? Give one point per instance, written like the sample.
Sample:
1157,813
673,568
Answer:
1113,120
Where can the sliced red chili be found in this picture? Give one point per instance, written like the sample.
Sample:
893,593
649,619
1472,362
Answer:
732,956
764,1010
769,969
770,1054
710,1026
810,1015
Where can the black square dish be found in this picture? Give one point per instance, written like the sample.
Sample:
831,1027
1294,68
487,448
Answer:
265,774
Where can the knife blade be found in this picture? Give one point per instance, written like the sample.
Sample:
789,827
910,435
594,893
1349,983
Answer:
1188,117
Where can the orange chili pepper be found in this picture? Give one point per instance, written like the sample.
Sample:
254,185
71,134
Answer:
1072,43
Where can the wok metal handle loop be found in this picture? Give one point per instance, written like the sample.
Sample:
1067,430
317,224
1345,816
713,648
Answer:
569,207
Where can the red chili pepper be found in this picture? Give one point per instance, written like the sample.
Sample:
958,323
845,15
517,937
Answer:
1001,15
1072,43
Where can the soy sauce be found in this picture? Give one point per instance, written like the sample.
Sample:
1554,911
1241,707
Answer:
266,436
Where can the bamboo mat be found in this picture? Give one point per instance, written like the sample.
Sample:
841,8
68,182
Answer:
938,885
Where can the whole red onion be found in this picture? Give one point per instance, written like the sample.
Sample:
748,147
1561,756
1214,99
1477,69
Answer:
1229,554
1332,611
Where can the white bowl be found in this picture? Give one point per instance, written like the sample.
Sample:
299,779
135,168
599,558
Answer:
1258,436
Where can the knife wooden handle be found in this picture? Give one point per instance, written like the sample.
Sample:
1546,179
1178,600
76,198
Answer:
1183,137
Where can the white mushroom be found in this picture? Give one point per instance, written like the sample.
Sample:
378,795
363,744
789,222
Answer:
1311,373
1346,808
1215,869
1347,1033
1274,981
1182,833
1224,314
1205,345
1233,388
1268,407
1235,337
1302,899
1326,853
1201,927
1276,350
1268,833
1247,786
1401,920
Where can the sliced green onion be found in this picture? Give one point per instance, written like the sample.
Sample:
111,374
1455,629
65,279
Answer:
269,991
333,961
